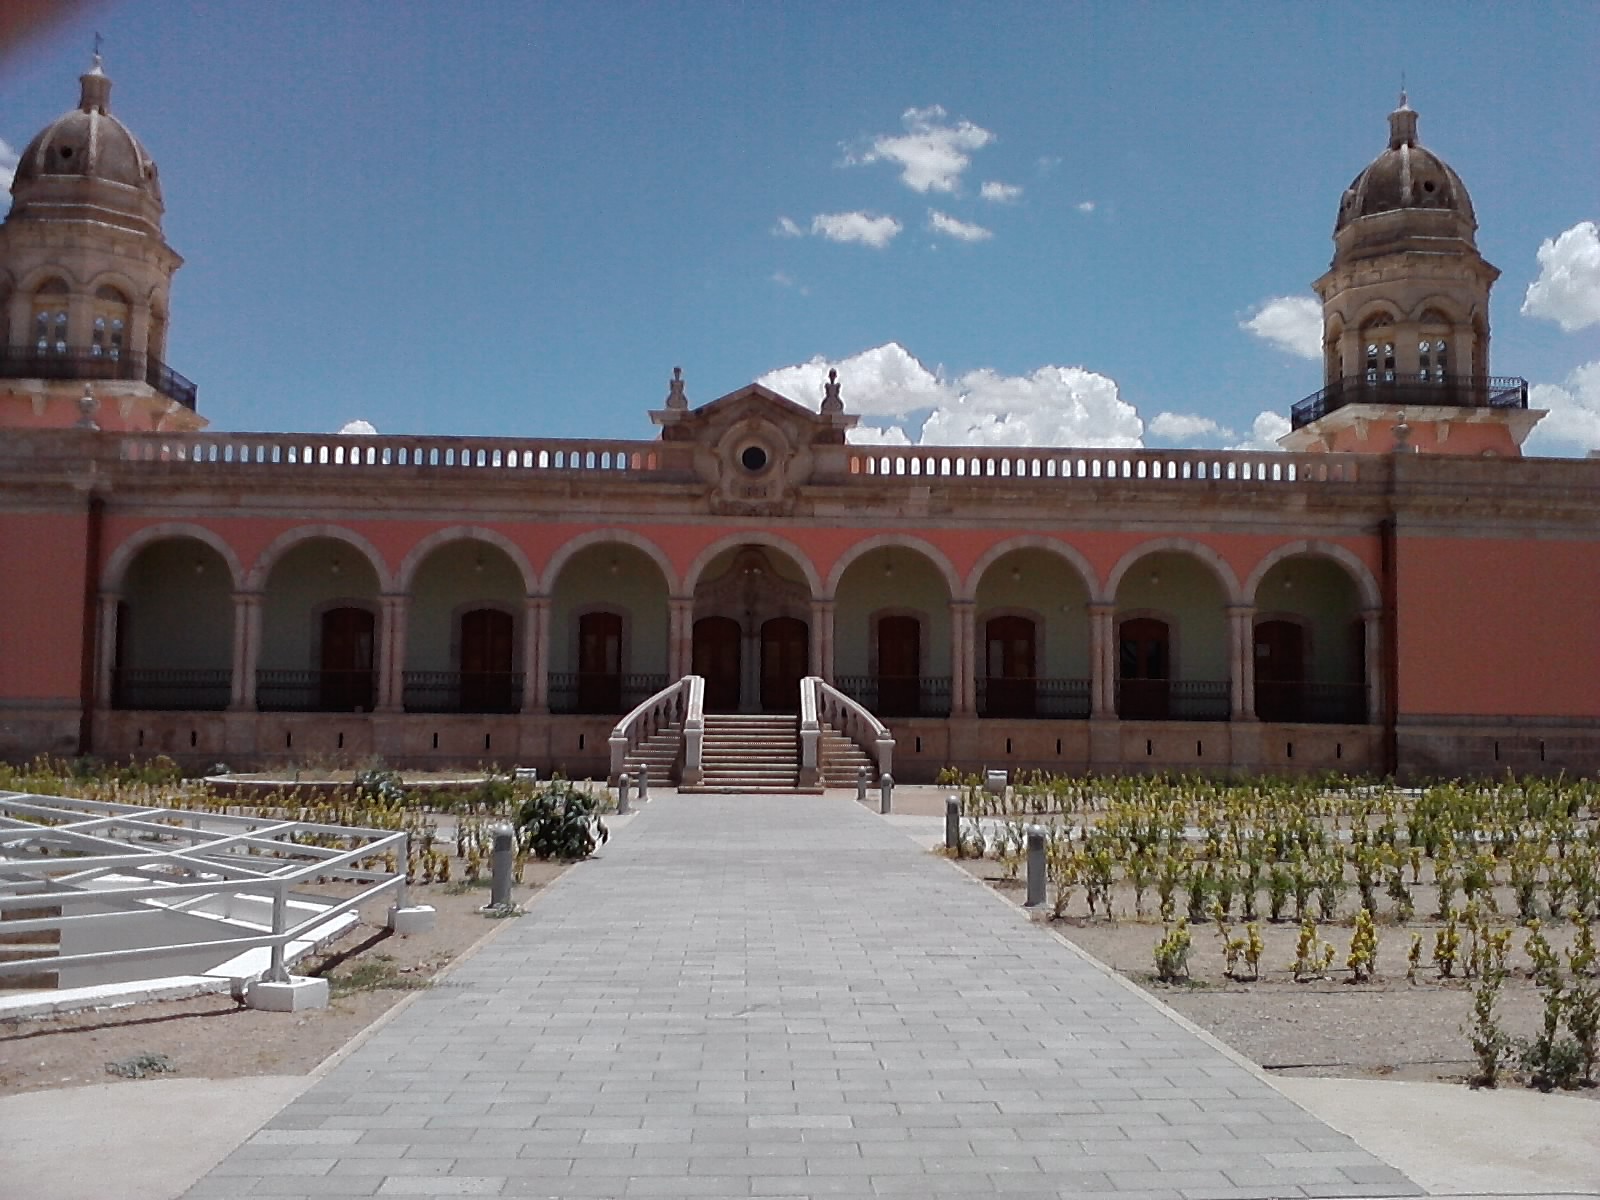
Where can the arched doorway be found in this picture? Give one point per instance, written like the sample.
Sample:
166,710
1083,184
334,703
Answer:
1309,643
609,637
752,636
1144,662
1037,587
1010,667
891,632
1173,648
899,666
487,647
600,662
463,634
319,645
345,682
174,635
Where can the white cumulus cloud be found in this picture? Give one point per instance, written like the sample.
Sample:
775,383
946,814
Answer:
932,154
8,164
786,227
1573,426
1568,288
865,228
877,435
1185,427
1292,323
962,231
358,426
1085,206
885,381
1000,193
1265,431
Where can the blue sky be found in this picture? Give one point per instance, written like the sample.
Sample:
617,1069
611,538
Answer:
516,219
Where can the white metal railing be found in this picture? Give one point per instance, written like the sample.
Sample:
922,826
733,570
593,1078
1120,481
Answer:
835,709
669,706
1171,466
127,862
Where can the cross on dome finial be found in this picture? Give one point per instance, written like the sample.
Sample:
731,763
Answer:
1402,124
96,85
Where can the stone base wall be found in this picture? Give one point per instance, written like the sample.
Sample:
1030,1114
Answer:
1432,748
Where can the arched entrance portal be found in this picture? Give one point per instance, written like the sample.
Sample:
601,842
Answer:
752,635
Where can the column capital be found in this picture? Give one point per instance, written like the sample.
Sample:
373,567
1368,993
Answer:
1240,610
1102,608
959,602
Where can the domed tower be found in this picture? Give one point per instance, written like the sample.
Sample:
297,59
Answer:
1405,318
85,277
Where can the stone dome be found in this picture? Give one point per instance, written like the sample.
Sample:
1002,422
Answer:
1406,176
86,158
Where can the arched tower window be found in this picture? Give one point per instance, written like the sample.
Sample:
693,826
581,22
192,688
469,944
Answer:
50,319
1433,347
1378,335
109,329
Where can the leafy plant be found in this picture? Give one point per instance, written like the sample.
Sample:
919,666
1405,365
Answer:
1172,954
1363,957
561,821
141,1065
1490,1044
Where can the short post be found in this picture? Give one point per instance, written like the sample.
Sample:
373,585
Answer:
861,785
623,783
277,972
952,824
1035,866
885,792
644,784
501,861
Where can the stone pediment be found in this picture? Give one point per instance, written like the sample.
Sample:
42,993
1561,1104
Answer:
753,447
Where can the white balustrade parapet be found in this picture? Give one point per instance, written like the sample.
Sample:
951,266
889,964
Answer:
1167,466
667,707
855,722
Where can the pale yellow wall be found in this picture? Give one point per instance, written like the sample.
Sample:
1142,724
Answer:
915,586
636,589
456,577
180,608
1323,593
301,584
1036,582
1187,595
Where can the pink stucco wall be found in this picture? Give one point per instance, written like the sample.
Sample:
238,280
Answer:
41,606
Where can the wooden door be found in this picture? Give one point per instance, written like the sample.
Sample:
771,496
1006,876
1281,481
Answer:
899,666
1010,644
1280,670
600,662
716,660
785,654
345,680
486,651
1144,663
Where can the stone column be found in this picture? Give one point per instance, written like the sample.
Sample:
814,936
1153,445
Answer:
822,612
536,655
1241,660
21,312
963,658
680,637
1372,665
391,653
246,650
1102,661
750,670
105,664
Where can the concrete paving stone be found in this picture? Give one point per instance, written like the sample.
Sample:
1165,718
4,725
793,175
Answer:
333,1185
703,1011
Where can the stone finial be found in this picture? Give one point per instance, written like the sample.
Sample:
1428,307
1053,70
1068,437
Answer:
95,84
88,405
1402,124
675,394
831,403
1402,435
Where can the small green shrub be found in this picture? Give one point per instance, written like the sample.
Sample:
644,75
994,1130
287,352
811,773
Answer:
561,821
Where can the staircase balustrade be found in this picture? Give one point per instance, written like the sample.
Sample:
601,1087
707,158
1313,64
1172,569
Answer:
850,718
667,707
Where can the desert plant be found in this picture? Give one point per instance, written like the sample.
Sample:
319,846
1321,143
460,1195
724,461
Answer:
559,820
1172,954
1279,885
1447,947
1312,955
1414,958
1363,957
1490,1045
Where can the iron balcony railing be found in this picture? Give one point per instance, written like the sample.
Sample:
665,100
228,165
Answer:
898,695
28,362
1312,703
171,690
463,691
1059,699
315,691
598,692
1392,389
1174,700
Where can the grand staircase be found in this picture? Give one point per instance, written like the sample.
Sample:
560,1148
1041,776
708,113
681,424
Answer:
839,759
661,752
751,753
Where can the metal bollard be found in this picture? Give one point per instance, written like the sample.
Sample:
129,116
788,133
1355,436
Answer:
861,785
624,785
1035,866
885,792
644,784
501,862
952,824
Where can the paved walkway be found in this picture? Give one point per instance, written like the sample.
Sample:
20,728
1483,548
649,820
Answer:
785,997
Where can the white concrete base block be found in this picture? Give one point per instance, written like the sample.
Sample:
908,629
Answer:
417,919
298,995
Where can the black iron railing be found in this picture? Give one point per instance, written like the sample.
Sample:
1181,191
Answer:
1058,699
315,691
899,695
601,692
172,690
1312,703
1453,391
463,691
1174,700
28,362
